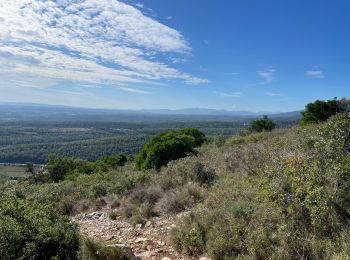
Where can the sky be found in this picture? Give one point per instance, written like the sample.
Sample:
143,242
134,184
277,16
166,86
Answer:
251,55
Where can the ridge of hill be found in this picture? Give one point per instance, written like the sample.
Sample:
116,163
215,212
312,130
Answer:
10,112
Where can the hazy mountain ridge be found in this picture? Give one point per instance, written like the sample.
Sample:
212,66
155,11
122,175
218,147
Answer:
43,112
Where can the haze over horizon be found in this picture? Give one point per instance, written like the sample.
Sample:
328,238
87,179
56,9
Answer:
232,55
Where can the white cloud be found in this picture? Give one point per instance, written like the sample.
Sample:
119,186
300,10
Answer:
268,75
134,90
272,94
229,94
93,41
194,80
176,60
315,73
169,17
139,5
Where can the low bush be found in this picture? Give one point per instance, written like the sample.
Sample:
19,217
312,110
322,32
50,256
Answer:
30,230
111,161
139,204
94,250
115,203
78,195
247,138
99,204
180,199
68,168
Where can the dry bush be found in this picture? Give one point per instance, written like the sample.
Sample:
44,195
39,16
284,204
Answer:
99,204
115,203
180,199
95,250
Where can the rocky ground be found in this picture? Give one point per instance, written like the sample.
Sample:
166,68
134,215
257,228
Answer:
149,241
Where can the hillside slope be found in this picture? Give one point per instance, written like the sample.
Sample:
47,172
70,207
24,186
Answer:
279,195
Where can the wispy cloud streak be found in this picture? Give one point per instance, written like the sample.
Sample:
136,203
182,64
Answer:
229,94
267,75
94,41
315,73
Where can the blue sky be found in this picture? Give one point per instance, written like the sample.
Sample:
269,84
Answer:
228,54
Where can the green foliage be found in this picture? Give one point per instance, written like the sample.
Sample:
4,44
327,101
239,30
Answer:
168,146
30,230
62,167
261,125
199,137
282,197
79,194
320,111
112,161
247,138
59,166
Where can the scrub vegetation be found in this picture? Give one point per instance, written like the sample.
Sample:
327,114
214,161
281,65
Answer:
280,194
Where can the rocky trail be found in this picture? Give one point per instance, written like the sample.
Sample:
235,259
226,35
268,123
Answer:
149,241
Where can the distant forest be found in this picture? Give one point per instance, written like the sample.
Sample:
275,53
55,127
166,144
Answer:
22,142
30,132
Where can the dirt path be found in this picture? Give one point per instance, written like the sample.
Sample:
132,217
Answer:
147,242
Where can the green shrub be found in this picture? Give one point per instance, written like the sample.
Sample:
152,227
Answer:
79,194
199,137
168,146
261,125
62,167
191,241
33,231
202,175
59,166
98,190
247,138
112,161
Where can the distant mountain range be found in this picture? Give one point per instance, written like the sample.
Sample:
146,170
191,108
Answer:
43,112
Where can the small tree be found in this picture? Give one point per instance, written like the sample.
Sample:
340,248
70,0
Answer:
263,124
59,166
320,111
168,146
